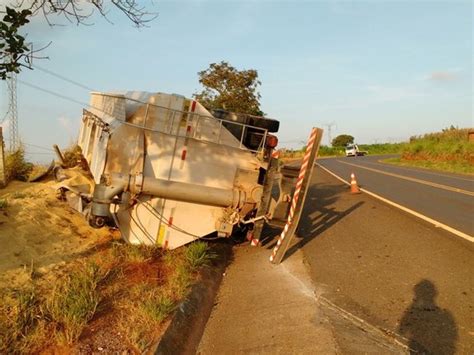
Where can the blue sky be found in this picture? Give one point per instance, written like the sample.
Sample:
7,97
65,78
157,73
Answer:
381,71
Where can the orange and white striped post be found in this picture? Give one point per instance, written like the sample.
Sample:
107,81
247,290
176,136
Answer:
299,195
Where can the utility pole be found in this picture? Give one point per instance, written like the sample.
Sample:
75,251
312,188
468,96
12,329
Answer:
3,180
329,127
12,104
12,109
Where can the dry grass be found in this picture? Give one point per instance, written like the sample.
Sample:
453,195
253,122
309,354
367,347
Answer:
73,303
134,253
30,321
136,288
72,156
19,195
16,167
153,304
21,321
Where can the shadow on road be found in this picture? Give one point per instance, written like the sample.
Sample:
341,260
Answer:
429,328
317,216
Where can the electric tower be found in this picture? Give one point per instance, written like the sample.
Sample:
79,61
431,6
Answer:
12,109
329,126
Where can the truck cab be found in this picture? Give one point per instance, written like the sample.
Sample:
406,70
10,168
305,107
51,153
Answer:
352,150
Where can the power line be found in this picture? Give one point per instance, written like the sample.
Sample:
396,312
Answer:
39,153
52,93
83,104
32,145
59,76
38,146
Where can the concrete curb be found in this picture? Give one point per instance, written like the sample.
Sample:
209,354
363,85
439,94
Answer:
187,326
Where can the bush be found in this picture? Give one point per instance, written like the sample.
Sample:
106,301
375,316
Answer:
16,167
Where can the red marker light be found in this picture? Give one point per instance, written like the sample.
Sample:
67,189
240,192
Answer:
272,141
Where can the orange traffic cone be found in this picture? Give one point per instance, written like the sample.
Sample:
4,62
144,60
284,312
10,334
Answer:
354,188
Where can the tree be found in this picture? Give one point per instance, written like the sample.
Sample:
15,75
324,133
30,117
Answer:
342,140
14,51
230,89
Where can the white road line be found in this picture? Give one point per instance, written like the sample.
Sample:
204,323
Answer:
420,181
403,208
381,162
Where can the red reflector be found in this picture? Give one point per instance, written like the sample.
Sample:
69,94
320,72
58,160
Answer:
272,141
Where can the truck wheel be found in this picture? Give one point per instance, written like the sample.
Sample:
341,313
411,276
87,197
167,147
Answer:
262,122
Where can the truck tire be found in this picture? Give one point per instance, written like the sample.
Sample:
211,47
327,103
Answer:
269,124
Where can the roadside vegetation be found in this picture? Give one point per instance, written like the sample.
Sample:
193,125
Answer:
16,166
339,151
123,292
449,150
383,148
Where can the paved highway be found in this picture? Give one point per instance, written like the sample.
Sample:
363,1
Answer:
385,266
444,197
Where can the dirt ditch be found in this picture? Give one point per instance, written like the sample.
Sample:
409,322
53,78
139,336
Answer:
68,288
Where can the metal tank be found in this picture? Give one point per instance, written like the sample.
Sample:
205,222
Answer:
166,171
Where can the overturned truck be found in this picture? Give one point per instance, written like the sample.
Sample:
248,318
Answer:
166,171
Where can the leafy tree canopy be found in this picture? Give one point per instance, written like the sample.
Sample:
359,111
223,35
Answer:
230,89
342,140
14,50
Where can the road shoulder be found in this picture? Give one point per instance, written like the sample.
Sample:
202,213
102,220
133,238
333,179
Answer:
266,308
263,308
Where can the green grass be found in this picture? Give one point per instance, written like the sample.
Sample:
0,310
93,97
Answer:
74,302
147,307
372,149
383,148
150,305
157,305
449,166
449,150
198,255
3,204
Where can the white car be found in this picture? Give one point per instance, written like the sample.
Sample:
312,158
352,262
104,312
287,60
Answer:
352,150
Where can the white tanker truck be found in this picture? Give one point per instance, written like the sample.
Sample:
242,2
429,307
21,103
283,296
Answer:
166,171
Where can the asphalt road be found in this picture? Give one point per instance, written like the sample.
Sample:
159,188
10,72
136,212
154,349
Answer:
444,197
387,267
